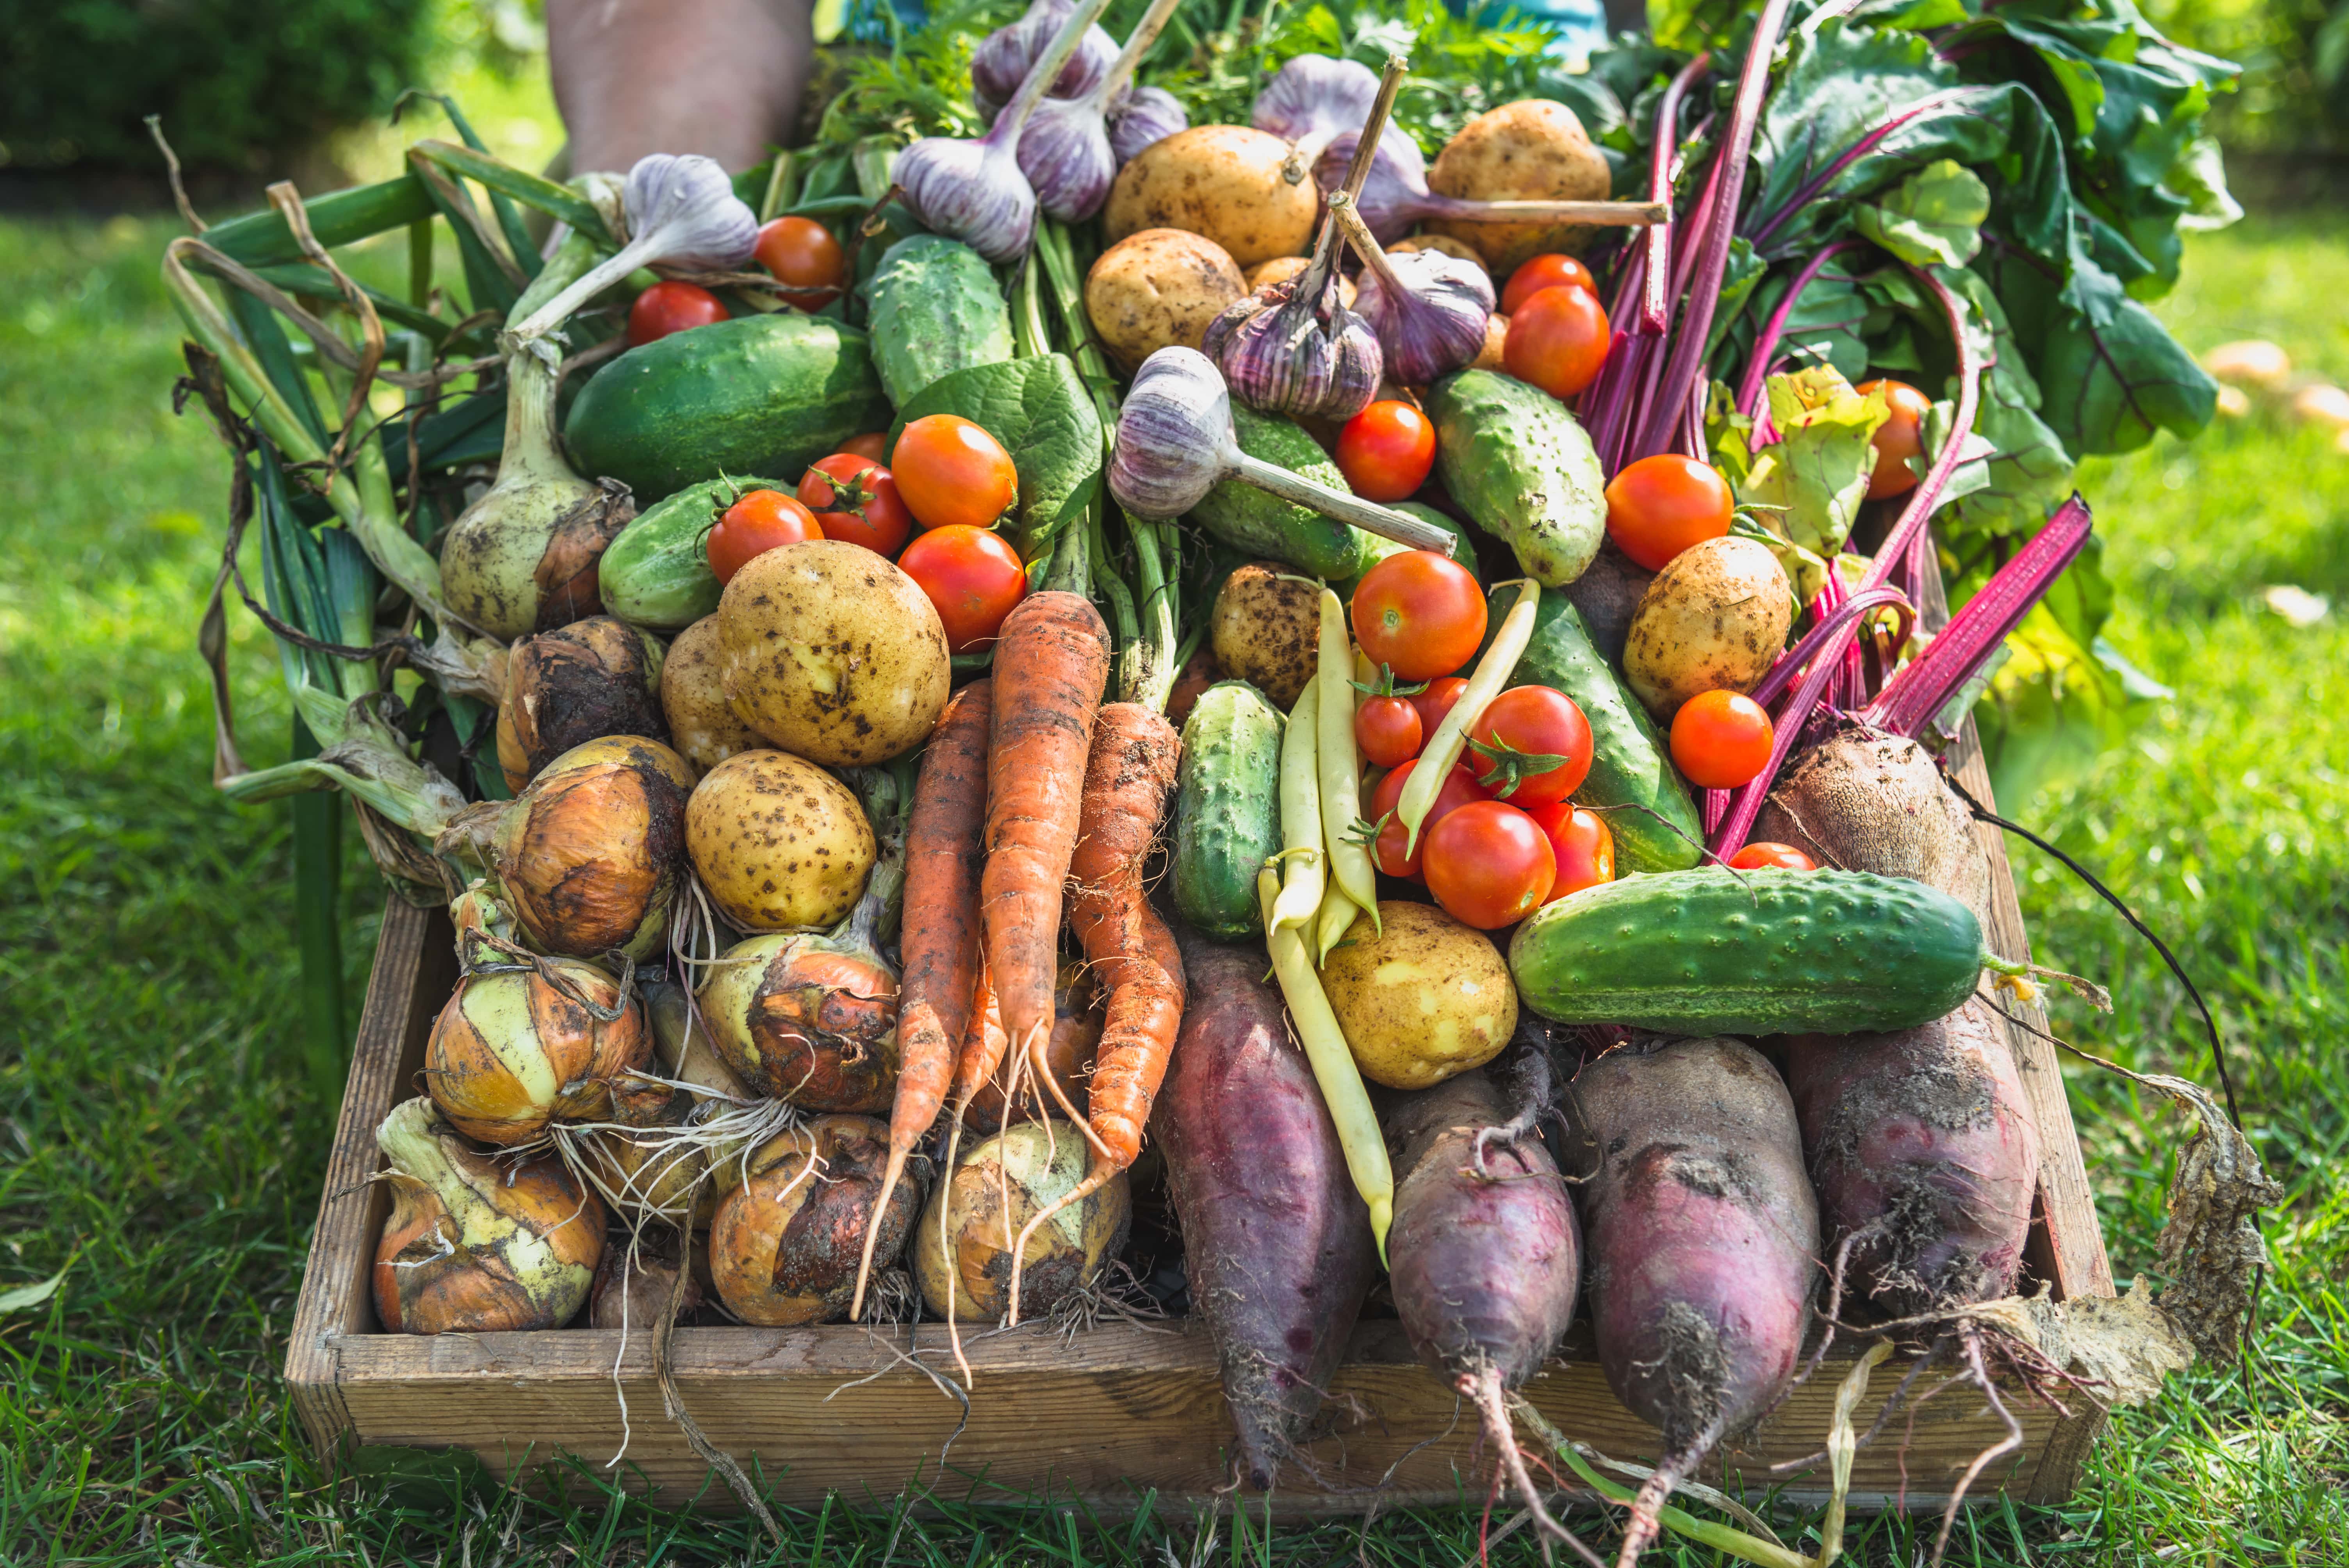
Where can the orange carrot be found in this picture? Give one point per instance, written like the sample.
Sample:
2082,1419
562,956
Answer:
1129,775
940,942
1050,663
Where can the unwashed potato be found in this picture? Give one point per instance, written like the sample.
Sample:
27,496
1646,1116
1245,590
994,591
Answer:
1221,181
832,653
1159,289
1266,629
1714,619
1424,999
1494,356
701,725
1530,150
779,844
1443,243
1281,269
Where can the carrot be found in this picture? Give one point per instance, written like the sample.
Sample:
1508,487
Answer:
1128,777
940,941
1050,663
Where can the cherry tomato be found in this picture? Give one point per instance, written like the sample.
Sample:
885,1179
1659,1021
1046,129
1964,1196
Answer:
1385,450
1557,340
1762,855
1387,729
951,472
1898,439
1488,864
757,522
1583,845
1720,740
873,446
1459,789
1545,272
669,307
802,252
1659,506
1419,613
1520,728
856,501
1436,699
972,577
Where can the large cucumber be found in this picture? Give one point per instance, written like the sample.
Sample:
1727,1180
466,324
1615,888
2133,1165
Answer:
760,394
657,573
1632,783
1517,462
1226,807
1268,527
1716,952
936,309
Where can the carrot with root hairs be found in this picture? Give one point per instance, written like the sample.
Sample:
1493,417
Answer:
940,940
1128,777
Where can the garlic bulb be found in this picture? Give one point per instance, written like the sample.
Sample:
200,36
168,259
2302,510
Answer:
477,1245
1313,100
563,688
682,212
784,1245
513,1051
1429,309
1005,56
1141,117
1065,151
1294,347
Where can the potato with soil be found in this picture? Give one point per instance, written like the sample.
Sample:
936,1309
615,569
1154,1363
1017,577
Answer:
784,1245
1224,182
1266,629
1714,619
1531,151
1422,1000
832,653
702,725
962,1250
779,844
1281,269
1158,289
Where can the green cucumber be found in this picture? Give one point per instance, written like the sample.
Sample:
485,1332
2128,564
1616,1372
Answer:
760,394
1375,549
1270,529
1227,809
1717,952
936,309
657,573
1518,463
1632,783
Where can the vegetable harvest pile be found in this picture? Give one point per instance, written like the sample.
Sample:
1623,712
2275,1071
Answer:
1374,650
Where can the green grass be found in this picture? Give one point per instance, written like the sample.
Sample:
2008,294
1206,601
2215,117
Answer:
158,1129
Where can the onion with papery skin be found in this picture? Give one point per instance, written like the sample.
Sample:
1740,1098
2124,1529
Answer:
784,1245
632,1293
644,1160
513,1052
975,1215
702,725
477,1245
592,854
779,844
582,681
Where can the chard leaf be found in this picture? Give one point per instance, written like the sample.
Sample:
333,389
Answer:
1811,483
1934,215
2106,385
2027,476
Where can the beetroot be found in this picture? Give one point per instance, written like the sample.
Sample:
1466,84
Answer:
1703,1232
1864,801
1925,1156
1276,1240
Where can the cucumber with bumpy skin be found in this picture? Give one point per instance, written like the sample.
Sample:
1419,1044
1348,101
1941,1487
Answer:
1227,809
1519,463
657,573
936,309
1717,952
1266,527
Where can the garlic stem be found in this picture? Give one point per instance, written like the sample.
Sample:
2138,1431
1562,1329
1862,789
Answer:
1137,44
1368,516
1603,214
1374,126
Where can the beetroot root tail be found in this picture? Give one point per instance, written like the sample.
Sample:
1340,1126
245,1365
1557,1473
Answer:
1484,1390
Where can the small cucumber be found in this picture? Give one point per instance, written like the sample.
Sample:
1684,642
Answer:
1632,782
936,309
1268,527
1717,952
1227,809
1517,462
656,572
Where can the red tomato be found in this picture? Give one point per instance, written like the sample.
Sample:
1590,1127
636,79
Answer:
1762,855
972,577
1385,450
1659,506
856,501
757,522
802,252
1583,845
874,446
1488,864
952,472
1419,613
1898,439
1458,790
1545,272
1720,740
1518,729
1557,340
1387,729
669,307
1438,699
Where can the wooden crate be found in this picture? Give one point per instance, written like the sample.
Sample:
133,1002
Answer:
1102,1417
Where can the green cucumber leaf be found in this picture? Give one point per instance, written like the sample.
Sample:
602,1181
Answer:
1041,412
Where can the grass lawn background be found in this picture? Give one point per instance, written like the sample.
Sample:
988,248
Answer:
158,1132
